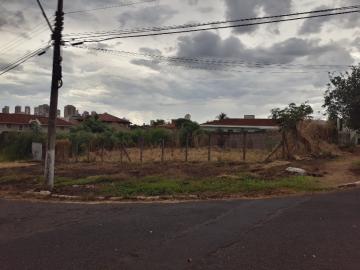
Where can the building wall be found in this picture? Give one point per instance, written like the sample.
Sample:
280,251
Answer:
27,128
14,127
119,126
262,141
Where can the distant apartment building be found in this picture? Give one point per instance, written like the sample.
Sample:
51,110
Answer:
70,111
27,110
6,109
85,114
42,110
58,113
18,109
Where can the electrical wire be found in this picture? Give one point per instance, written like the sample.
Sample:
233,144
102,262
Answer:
215,64
22,60
15,43
213,28
151,29
109,7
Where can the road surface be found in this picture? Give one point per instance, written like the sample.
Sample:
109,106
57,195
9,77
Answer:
311,232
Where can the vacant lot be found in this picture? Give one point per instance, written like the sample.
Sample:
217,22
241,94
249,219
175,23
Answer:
215,179
176,155
202,179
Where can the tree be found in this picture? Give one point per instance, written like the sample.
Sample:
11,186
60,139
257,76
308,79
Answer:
92,124
157,122
289,117
288,120
342,99
222,116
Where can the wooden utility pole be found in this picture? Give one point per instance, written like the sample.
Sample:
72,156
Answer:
56,83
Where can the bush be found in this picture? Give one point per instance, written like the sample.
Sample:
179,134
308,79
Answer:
17,146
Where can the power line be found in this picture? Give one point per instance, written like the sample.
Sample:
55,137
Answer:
151,29
22,60
11,45
213,63
215,27
5,66
109,7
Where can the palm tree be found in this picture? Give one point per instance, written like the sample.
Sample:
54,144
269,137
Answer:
222,116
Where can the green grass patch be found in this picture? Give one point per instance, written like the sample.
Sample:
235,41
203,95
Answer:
64,181
15,178
156,186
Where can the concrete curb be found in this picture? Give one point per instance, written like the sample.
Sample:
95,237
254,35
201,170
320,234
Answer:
48,195
349,185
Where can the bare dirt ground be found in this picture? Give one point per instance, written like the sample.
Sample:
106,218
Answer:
20,177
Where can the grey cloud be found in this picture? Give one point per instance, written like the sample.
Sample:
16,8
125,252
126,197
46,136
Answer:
209,44
147,16
152,64
193,2
250,8
313,26
11,19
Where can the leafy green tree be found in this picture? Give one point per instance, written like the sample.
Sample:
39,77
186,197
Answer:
158,134
123,138
80,141
92,124
288,120
342,99
158,122
289,117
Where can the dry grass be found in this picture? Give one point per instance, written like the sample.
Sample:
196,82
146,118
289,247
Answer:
194,155
320,135
10,165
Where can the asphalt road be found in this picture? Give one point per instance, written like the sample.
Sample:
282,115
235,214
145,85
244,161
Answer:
313,232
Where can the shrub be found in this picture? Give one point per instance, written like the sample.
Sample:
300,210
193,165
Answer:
17,146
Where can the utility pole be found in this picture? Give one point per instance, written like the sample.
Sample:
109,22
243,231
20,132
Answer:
56,83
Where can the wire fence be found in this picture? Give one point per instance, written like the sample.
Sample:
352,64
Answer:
210,147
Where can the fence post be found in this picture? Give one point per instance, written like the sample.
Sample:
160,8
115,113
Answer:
102,152
209,148
283,145
187,147
88,152
141,149
244,145
162,150
121,154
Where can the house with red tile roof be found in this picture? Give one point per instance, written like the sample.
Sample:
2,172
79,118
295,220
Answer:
250,125
115,122
23,122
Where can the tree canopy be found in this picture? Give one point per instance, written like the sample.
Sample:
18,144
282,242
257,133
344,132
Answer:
342,99
92,124
289,117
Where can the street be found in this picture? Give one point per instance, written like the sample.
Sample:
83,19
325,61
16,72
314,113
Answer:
308,232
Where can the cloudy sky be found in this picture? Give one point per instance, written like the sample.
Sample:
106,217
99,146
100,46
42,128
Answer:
142,89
